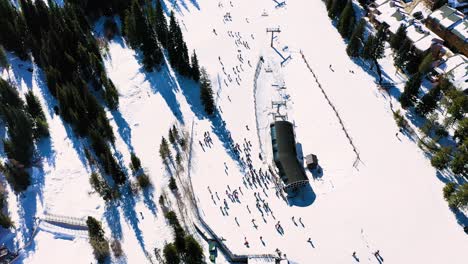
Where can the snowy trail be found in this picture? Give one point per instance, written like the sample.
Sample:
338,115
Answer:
358,159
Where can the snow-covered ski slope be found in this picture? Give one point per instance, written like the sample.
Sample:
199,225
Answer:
391,201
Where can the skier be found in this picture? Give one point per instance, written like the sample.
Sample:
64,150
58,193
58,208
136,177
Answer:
300,221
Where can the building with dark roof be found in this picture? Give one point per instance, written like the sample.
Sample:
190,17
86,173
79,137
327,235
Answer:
290,170
311,161
451,25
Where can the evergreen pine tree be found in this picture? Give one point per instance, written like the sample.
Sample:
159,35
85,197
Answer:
9,97
161,24
33,105
414,61
16,175
130,28
97,240
135,162
367,50
336,8
3,59
461,133
19,145
460,159
164,151
170,254
175,132
329,4
426,63
441,158
21,48
402,55
111,95
40,126
448,190
347,20
195,68
458,104
379,49
140,23
172,41
206,93
171,136
194,252
152,54
428,102
177,49
397,40
355,42
410,93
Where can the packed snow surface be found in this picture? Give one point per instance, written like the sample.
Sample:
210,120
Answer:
390,199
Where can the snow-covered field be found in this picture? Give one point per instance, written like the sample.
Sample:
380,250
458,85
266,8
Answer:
391,201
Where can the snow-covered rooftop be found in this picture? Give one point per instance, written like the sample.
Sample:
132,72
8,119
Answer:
459,77
451,63
392,15
441,13
416,32
461,30
421,37
421,7
451,20
426,42
381,2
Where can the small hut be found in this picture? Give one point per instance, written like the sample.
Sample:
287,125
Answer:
311,161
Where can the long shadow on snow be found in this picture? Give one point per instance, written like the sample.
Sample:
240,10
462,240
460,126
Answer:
28,208
112,216
191,91
128,208
164,83
184,4
19,68
147,193
195,4
175,6
462,219
123,128
304,198
148,200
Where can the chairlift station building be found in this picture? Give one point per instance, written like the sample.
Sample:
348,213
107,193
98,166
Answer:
290,170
